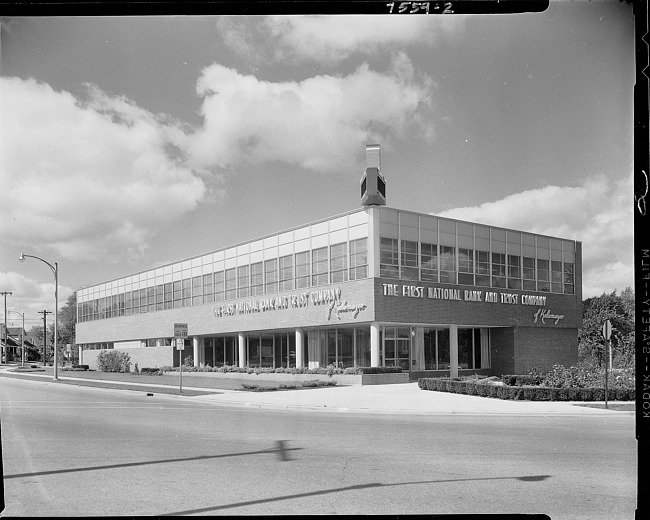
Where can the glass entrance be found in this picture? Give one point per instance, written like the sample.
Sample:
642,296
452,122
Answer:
397,347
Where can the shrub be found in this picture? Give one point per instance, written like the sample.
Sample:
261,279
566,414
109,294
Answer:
151,371
526,392
113,361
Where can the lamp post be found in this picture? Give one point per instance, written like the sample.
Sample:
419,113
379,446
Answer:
22,338
55,270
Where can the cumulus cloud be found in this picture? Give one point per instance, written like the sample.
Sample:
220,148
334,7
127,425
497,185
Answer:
329,39
316,123
599,213
30,297
88,179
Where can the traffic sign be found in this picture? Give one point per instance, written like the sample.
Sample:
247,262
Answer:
180,330
607,329
180,343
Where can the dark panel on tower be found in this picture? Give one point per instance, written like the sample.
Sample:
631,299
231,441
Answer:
373,185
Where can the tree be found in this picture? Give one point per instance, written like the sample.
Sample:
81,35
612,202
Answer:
35,335
619,310
68,321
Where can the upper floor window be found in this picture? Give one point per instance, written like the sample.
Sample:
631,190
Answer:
319,266
358,259
302,270
339,262
388,258
286,273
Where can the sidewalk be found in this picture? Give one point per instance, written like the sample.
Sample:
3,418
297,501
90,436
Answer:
381,399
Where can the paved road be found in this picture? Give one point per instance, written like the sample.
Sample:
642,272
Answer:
75,451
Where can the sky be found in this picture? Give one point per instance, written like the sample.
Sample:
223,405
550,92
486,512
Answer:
131,142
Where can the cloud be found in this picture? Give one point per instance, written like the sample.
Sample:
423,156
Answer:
88,179
599,213
330,39
29,296
316,123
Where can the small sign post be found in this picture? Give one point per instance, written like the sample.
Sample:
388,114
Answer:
607,334
180,333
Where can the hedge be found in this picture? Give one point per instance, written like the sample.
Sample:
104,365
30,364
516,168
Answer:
524,392
151,371
329,370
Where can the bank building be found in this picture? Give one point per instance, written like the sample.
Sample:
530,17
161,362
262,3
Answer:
375,286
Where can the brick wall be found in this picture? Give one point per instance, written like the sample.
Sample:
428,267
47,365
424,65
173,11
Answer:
539,348
401,308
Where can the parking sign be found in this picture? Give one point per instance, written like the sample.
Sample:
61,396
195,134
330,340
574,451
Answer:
180,330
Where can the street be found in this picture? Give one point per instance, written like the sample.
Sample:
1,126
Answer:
76,451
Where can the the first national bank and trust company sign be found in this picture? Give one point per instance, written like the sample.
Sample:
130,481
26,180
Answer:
542,315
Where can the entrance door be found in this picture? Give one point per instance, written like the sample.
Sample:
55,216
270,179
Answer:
397,347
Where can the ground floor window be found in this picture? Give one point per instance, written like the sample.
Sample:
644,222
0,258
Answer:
221,351
436,349
473,348
350,346
340,347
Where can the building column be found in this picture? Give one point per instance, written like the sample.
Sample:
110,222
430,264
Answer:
374,345
196,354
300,338
242,350
81,355
417,349
313,348
453,351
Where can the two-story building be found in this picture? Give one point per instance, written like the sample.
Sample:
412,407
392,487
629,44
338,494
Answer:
376,286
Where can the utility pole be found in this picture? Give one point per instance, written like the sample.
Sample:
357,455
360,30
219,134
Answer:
4,346
44,313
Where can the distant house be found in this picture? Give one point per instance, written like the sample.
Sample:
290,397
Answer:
15,337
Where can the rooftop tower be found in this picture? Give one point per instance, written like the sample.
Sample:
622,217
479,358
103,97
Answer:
373,185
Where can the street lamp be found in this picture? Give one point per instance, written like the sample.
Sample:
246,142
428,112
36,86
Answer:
55,270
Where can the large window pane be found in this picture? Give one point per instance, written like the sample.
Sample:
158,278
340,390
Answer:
362,354
465,266
443,349
243,281
429,262
271,276
219,286
447,264
465,348
359,259
556,276
231,283
286,273
197,290
302,270
339,262
169,299
346,347
257,279
388,258
319,267
409,258
514,272
207,288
